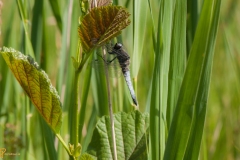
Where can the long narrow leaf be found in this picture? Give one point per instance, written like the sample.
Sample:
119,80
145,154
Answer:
177,57
100,91
56,11
29,48
48,138
37,29
160,80
184,113
194,143
155,114
167,23
139,22
85,92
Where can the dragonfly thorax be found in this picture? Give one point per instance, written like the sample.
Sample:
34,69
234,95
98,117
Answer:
121,55
118,46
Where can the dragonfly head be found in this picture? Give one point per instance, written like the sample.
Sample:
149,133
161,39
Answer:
115,48
118,46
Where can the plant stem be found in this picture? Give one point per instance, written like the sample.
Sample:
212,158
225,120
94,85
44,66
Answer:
110,109
29,49
63,143
135,88
74,111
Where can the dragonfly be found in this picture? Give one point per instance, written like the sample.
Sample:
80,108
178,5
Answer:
124,62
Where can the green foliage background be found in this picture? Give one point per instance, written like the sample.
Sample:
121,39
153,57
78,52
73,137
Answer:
54,42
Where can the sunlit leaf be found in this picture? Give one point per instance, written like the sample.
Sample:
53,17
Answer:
37,85
102,24
131,136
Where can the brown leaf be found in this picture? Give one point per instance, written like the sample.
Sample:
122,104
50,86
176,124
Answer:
101,25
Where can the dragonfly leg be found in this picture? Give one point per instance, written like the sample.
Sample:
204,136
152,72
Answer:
101,57
112,60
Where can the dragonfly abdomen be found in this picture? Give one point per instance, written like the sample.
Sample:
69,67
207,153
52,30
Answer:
130,87
124,64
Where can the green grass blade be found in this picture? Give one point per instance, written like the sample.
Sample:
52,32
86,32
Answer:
36,143
160,81
57,14
86,86
153,25
167,22
37,29
177,57
48,138
118,94
64,53
91,125
155,110
165,55
22,10
194,143
100,92
233,57
193,10
3,83
139,24
184,113
68,50
6,32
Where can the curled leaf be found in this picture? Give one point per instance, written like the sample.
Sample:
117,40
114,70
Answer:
102,24
76,64
37,85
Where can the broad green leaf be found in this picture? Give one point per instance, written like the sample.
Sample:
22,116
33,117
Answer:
131,136
37,85
86,156
102,24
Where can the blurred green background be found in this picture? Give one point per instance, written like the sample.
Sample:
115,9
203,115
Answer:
54,44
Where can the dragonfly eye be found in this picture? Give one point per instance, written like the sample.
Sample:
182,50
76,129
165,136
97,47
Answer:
118,46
